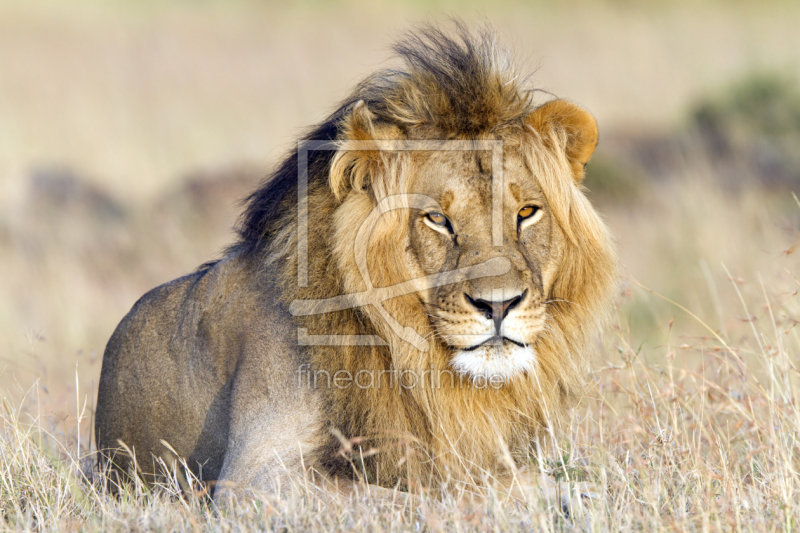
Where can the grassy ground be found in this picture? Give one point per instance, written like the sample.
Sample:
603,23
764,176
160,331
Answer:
129,130
698,432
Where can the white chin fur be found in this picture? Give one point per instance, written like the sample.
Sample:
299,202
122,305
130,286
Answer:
499,362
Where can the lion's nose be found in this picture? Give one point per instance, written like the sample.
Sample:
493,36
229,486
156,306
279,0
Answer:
496,311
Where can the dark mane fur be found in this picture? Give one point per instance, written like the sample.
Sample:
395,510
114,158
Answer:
449,87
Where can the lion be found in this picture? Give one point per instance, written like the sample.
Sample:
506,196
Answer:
413,296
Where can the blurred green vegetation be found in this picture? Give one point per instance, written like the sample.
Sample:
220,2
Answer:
611,179
761,103
755,117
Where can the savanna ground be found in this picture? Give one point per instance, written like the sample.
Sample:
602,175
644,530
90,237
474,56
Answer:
129,130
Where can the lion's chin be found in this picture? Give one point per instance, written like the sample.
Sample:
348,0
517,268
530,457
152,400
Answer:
494,364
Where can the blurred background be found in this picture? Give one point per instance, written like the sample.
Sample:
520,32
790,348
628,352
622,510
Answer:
130,130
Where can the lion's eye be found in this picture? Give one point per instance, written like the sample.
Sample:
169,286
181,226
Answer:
438,219
439,222
530,214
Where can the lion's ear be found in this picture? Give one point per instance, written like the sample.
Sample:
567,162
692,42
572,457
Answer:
361,159
360,126
577,125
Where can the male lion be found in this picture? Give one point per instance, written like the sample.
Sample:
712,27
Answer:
419,290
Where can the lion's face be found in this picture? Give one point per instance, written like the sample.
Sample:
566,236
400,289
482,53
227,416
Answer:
491,324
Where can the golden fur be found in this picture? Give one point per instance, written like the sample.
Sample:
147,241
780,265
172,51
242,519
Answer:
461,88
460,426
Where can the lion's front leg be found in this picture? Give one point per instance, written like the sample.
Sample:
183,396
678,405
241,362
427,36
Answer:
276,422
255,465
267,468
271,445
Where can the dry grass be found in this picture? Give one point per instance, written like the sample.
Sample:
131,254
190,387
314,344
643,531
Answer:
697,432
691,421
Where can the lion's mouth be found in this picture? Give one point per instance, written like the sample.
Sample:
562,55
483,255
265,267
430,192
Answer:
494,340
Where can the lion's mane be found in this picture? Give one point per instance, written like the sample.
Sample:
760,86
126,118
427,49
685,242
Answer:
461,87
